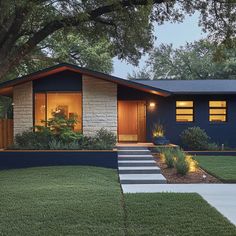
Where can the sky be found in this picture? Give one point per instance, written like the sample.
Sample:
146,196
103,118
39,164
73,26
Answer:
177,34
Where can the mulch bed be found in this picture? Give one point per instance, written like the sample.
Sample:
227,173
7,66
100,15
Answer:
192,177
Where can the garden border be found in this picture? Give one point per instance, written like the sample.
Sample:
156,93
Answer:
212,153
14,159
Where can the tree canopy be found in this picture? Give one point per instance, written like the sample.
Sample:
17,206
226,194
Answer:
66,47
198,60
25,25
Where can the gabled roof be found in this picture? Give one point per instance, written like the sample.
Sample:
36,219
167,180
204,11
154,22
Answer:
160,87
6,88
193,86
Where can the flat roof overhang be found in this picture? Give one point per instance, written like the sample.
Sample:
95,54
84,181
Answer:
6,88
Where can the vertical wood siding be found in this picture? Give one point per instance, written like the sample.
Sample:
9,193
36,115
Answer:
6,133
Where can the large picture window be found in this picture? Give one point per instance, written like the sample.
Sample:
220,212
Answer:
184,111
217,111
69,104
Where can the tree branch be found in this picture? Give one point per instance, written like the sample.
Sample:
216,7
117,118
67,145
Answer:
21,51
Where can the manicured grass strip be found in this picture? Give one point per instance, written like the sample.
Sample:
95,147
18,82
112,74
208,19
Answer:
60,201
223,167
88,201
174,214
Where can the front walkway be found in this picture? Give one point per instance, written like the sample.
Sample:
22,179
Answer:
136,165
220,196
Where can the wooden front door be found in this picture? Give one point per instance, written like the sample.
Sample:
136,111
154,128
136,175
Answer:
131,121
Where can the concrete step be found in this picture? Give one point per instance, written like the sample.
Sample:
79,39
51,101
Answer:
136,164
136,161
142,179
132,148
125,152
134,158
140,168
139,171
143,182
145,188
135,155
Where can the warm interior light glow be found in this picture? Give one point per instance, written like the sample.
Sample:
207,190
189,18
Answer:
68,103
184,111
152,104
217,111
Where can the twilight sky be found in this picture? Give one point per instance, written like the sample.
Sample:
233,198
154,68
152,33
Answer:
177,34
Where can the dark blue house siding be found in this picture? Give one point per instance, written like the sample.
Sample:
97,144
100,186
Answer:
221,133
62,81
164,112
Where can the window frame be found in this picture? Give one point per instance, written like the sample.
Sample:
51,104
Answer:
185,108
218,108
46,102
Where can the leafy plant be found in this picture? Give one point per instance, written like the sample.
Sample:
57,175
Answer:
213,147
195,138
105,139
181,164
158,130
60,145
169,158
193,164
59,134
33,140
60,123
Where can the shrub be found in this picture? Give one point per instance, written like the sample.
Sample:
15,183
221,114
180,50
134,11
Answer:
59,145
33,140
193,164
169,157
181,164
195,138
68,136
104,139
60,123
213,147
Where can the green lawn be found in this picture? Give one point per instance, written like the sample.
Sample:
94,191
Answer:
223,167
88,201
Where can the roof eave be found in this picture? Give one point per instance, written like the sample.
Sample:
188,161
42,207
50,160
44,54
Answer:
99,75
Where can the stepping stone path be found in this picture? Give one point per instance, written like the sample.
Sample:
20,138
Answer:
136,165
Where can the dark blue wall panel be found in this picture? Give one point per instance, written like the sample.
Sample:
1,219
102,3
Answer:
62,81
164,112
21,159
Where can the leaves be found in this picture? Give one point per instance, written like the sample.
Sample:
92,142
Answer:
199,60
126,27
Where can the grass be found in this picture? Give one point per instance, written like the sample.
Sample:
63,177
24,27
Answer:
60,201
88,201
174,214
222,167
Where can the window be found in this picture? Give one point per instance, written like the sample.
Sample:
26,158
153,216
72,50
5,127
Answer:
217,111
40,108
184,111
67,103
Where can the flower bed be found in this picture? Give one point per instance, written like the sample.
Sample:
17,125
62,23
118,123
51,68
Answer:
191,177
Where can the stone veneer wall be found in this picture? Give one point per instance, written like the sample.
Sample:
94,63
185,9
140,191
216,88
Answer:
99,105
23,107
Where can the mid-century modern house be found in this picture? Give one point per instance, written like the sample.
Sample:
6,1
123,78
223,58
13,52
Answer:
129,108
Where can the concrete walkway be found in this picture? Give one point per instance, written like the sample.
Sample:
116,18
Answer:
136,165
220,196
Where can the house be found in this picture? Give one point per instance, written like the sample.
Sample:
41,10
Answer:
130,109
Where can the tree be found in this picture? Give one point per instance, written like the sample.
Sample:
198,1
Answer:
71,48
126,24
196,60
